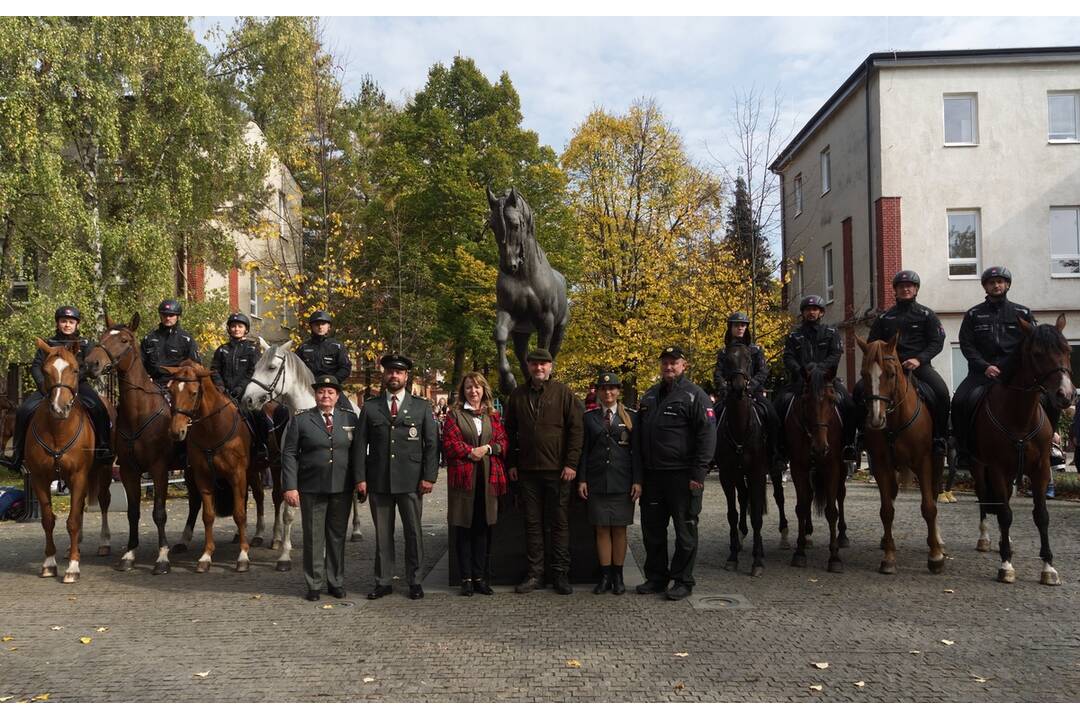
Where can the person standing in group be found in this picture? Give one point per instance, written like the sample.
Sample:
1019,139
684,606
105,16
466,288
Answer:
395,461
474,444
673,445
544,427
168,343
325,355
316,477
609,479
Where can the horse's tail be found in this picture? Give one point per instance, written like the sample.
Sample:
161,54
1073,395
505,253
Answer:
817,486
97,478
223,497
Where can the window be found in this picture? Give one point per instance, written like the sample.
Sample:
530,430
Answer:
826,171
963,243
798,194
961,120
959,367
253,290
1064,112
829,289
1065,241
799,286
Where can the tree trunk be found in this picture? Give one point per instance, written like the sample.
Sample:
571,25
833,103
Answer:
459,370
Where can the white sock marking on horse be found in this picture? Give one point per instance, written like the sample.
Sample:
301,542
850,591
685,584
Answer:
205,557
73,567
242,556
50,562
984,531
129,555
1006,566
163,554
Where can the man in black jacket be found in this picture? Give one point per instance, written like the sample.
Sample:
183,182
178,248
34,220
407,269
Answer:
674,443
324,354
168,343
921,338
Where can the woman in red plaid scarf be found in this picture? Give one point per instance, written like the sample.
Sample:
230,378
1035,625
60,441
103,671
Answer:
474,445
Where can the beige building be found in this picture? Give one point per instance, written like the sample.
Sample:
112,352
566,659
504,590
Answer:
944,163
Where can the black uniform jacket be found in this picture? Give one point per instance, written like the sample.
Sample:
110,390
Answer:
607,460
394,456
325,356
759,370
56,341
676,430
311,460
811,343
990,333
167,346
921,334
234,364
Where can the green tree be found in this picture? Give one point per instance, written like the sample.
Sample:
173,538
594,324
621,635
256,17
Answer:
748,242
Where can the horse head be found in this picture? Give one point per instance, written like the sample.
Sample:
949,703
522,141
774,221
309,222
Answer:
512,222
1047,357
739,360
269,380
186,389
881,374
818,407
114,346
61,371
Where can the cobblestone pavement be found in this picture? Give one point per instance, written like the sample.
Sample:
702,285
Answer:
884,637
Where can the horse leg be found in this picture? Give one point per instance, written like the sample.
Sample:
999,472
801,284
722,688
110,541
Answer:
48,522
240,490
77,483
841,494
503,323
1049,575
777,478
278,496
195,502
104,498
757,512
728,484
935,561
557,336
800,477
284,561
832,514
356,536
208,527
131,481
1000,490
744,506
257,490
888,484
160,474
979,479
521,351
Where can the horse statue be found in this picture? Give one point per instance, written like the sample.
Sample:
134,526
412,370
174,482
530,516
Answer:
813,431
1012,438
742,457
60,447
281,376
530,295
899,437
219,452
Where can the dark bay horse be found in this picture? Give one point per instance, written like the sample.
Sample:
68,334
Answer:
530,295
1012,437
218,450
900,436
814,433
60,446
742,457
143,443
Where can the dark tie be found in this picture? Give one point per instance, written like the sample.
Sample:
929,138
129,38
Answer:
329,417
393,407
607,419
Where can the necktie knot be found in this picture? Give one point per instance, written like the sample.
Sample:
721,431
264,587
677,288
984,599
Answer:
329,418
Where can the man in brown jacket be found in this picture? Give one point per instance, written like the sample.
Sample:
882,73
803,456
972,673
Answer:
545,428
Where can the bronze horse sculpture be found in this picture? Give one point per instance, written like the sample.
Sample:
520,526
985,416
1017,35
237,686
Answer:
530,294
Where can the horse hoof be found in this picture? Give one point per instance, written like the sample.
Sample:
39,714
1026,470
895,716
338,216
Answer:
356,537
179,548
887,568
203,566
843,541
256,541
836,566
1007,576
283,565
798,561
943,497
731,565
276,545
125,565
809,542
983,545
235,539
785,543
48,572
161,568
71,577
757,571
103,550
1049,577
242,566
744,531
936,566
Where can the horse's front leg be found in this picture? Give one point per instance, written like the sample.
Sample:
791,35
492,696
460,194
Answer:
357,535
239,483
757,482
104,499
207,496
132,488
503,323
42,489
77,483
278,496
935,561
999,489
776,474
159,471
800,476
259,493
195,501
832,514
289,514
888,486
1041,516
728,484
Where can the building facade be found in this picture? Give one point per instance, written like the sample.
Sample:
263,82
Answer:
945,163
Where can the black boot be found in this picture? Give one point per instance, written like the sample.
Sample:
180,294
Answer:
605,580
618,587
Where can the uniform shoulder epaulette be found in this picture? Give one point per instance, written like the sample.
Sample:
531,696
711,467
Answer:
592,410
301,411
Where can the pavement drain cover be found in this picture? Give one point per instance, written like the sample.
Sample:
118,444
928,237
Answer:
335,605
719,602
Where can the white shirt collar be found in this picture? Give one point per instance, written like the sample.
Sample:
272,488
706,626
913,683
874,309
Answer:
468,406
400,395
609,408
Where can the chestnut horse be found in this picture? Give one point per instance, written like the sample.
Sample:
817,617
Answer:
742,458
814,433
60,446
218,450
899,437
1012,437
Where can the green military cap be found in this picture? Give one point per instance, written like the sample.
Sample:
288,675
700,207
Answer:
608,378
673,351
539,355
327,381
395,361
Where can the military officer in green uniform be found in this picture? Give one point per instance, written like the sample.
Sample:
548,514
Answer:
315,474
395,461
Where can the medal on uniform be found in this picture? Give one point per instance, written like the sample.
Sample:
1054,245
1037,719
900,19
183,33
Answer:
413,432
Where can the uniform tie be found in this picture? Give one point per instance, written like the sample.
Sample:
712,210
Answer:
607,419
329,423
393,406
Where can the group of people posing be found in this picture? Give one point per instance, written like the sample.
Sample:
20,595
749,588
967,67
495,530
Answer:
545,446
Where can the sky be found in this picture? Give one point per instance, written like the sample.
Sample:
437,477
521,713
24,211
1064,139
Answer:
563,68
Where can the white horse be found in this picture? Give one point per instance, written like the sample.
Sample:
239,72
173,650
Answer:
281,376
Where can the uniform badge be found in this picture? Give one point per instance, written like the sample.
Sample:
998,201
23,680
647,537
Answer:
709,413
413,432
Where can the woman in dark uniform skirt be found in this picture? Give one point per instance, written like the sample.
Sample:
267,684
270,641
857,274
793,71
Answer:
609,480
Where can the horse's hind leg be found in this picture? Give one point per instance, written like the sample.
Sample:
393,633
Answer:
728,484
801,479
982,495
284,561
260,501
195,502
131,482
841,494
832,514
160,474
278,496
104,499
744,505
1049,575
356,536
757,511
208,527
999,490
777,477
48,523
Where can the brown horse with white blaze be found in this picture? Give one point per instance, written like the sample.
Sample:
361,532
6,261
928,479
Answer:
900,436
218,449
60,446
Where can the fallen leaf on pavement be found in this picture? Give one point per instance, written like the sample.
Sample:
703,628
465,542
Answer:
979,678
202,674
73,597
5,698
947,591
86,640
573,663
861,683
818,688
13,649
40,698
820,665
256,597
6,638
681,654
915,652
103,629
948,642
813,579
369,679
327,606
680,686
57,627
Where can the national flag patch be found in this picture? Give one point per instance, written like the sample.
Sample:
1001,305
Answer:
709,413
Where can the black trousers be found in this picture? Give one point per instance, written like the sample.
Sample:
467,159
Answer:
547,500
472,542
939,405
666,495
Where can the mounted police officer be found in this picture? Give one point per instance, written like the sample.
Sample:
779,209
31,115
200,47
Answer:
231,370
989,336
738,331
324,355
921,340
168,343
813,344
67,332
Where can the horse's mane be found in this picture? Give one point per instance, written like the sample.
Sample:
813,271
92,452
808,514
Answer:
532,247
1047,337
817,382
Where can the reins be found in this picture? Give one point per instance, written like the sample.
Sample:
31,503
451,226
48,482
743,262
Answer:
56,455
193,419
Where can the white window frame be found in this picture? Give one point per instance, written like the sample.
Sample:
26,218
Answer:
253,292
798,193
826,170
1075,95
974,97
978,244
800,286
828,275
1072,256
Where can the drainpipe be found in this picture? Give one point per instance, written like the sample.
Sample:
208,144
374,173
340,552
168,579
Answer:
783,235
869,184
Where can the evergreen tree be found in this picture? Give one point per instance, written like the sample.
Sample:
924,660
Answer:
748,242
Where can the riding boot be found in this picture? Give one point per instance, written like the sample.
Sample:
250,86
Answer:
618,587
102,433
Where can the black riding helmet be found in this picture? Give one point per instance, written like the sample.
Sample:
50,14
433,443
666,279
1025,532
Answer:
738,317
997,271
320,316
812,301
909,276
170,307
68,312
238,317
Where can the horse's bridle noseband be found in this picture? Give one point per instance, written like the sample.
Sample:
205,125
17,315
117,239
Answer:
270,389
891,403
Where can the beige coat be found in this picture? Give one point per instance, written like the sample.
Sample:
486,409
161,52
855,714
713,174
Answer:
459,503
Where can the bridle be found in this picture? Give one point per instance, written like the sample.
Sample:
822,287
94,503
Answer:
271,389
892,404
193,418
